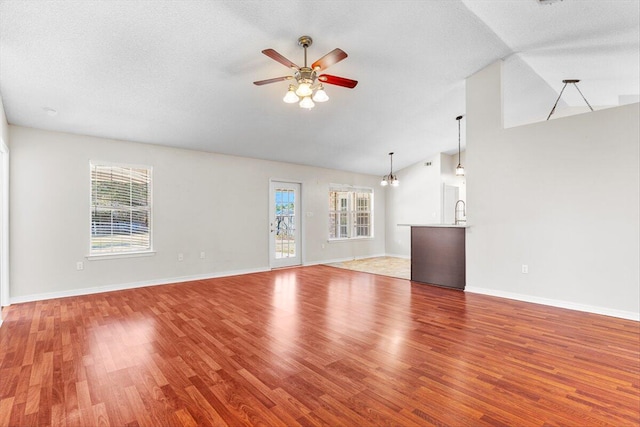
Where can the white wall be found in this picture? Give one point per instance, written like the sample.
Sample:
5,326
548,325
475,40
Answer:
201,202
448,173
417,200
561,197
4,127
4,185
527,97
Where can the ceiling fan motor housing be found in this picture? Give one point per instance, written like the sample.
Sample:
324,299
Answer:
306,74
305,41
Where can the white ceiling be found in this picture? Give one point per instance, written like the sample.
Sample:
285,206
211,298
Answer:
180,73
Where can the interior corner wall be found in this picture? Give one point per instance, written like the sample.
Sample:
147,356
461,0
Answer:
4,256
417,200
207,202
4,126
559,196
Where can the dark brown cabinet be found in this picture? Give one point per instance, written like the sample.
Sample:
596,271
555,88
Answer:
438,255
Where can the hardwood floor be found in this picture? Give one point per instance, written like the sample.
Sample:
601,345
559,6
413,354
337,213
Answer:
385,265
313,346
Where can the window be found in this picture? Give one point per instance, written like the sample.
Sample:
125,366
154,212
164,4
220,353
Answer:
120,209
350,212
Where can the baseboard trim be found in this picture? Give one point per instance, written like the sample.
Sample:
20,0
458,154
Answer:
629,315
133,285
337,260
399,256
471,289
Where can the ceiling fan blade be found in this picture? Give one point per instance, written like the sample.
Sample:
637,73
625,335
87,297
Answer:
338,81
336,55
281,59
276,79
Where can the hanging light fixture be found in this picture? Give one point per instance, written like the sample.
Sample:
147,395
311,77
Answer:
390,179
459,168
566,82
307,88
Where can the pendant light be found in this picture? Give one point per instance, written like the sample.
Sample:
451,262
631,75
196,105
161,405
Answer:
459,168
390,179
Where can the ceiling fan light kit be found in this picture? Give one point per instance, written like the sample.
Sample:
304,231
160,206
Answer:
308,88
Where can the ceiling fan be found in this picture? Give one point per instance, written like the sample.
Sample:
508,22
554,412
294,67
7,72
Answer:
308,87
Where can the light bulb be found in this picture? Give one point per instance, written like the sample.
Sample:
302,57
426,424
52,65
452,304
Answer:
459,170
307,103
291,97
384,182
320,95
395,182
304,89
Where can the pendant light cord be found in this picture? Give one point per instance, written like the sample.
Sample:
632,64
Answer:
458,141
458,119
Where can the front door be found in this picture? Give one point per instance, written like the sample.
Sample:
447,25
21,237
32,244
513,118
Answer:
284,225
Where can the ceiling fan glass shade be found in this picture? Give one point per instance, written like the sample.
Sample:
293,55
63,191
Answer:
304,89
291,97
320,95
307,103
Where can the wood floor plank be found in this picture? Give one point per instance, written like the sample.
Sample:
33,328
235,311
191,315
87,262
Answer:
313,346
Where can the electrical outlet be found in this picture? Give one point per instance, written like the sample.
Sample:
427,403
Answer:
79,265
525,269
180,257
202,255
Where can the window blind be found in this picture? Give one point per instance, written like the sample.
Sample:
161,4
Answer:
120,209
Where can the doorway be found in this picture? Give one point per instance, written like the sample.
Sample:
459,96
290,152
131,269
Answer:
450,196
284,225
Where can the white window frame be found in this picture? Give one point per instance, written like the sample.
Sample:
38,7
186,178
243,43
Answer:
121,252
348,217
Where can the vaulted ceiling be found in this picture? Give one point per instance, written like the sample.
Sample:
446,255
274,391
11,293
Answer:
180,73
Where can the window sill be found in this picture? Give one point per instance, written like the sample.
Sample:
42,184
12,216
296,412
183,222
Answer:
349,239
100,257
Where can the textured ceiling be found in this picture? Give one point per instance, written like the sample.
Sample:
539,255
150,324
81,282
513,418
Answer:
180,73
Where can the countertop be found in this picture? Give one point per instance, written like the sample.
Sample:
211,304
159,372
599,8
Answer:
436,225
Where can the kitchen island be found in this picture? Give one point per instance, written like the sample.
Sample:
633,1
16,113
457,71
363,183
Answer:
438,254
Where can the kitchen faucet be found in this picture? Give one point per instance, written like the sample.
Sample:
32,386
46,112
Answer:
463,217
